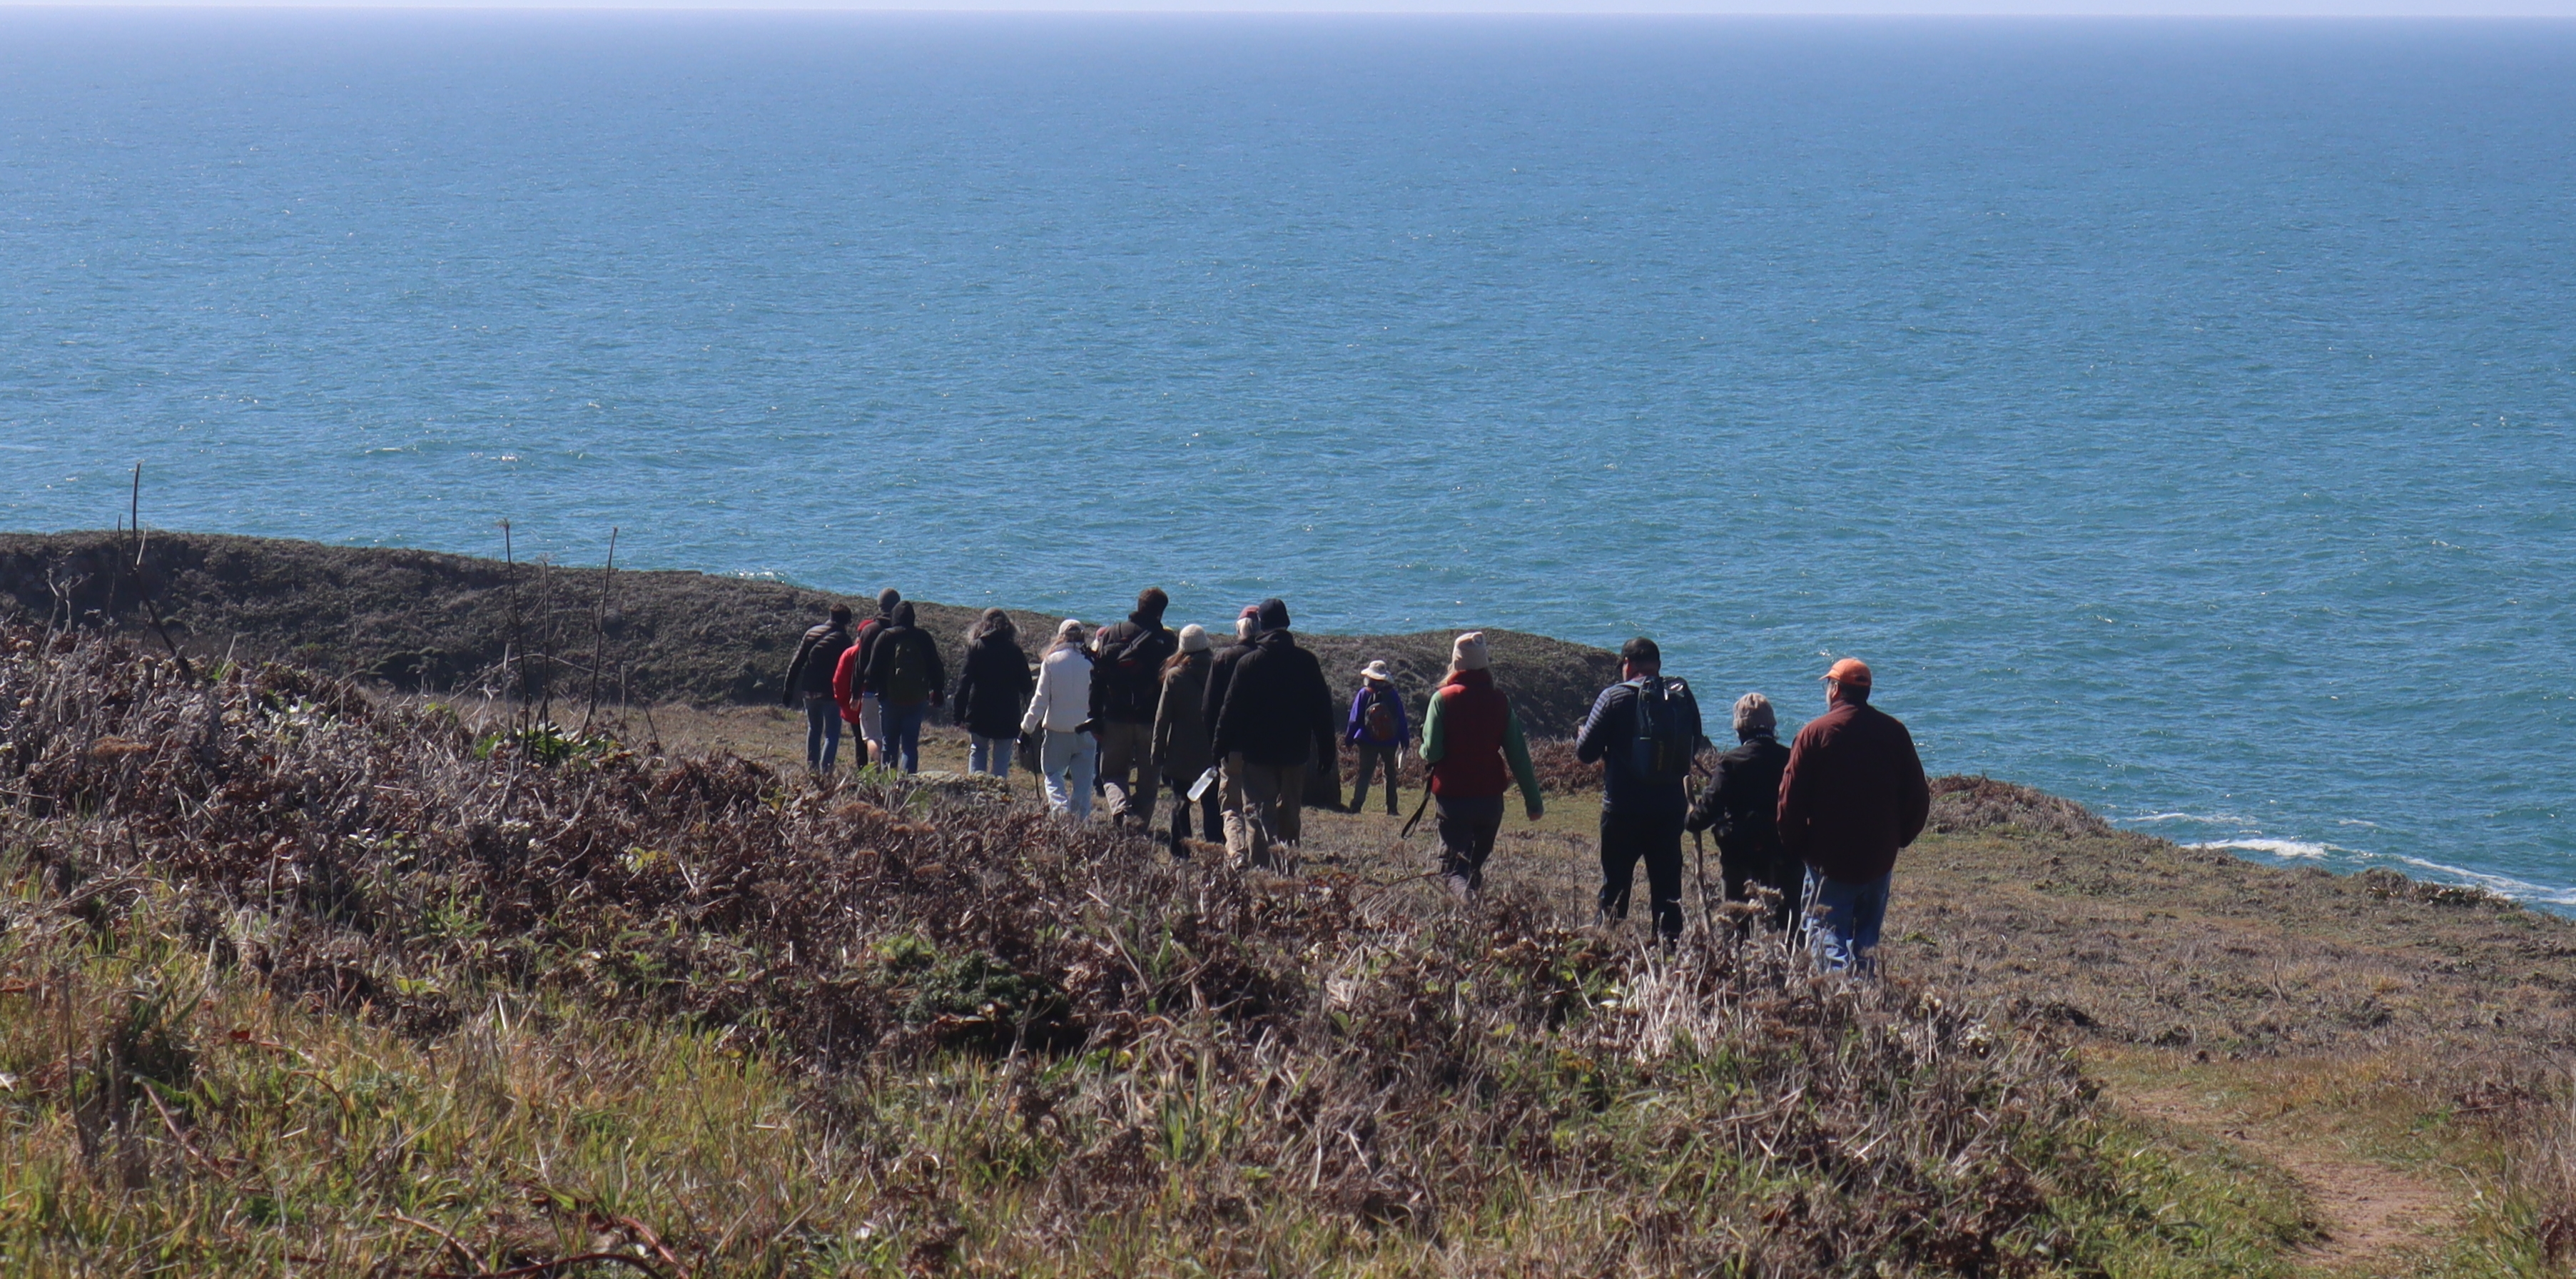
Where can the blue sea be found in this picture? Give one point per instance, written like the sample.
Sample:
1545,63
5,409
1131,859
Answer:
2177,415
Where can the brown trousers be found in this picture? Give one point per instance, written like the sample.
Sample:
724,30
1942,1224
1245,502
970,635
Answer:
1265,806
1127,770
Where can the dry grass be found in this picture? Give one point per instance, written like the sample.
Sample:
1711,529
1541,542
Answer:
2548,1172
302,982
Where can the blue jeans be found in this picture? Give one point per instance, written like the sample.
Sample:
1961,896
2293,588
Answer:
822,733
991,755
1067,760
1843,919
903,735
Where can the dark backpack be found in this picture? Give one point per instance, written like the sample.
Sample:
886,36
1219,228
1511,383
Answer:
907,678
1667,728
1136,669
1379,719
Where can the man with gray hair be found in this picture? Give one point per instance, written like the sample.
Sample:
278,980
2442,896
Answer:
1740,805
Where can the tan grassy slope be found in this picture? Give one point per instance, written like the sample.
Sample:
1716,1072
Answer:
2398,1047
299,981
2366,1074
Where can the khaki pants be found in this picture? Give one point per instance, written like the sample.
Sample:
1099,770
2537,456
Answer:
1127,770
1266,805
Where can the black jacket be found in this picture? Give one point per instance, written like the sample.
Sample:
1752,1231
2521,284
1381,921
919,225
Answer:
816,658
1741,803
898,636
994,688
1127,669
866,638
1278,708
1220,677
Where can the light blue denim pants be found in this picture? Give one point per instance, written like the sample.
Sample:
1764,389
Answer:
1068,760
1843,919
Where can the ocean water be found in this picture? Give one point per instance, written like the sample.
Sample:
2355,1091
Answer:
2176,415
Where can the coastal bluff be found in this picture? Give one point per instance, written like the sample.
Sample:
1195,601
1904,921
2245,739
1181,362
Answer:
427,621
2093,1051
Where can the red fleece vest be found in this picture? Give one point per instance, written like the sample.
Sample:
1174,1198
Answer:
1472,715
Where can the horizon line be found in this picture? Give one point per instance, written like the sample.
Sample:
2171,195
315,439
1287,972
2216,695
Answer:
2557,11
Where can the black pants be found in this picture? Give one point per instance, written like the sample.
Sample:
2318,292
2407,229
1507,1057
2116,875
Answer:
1746,868
1211,825
1467,830
1656,837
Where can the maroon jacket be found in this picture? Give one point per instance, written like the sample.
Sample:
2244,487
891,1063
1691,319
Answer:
1473,717
1853,794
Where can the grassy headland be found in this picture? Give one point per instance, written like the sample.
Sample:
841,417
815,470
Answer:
430,622
305,976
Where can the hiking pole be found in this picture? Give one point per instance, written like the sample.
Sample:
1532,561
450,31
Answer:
1700,842
1418,810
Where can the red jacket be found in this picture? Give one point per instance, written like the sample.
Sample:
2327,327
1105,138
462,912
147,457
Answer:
845,684
1854,793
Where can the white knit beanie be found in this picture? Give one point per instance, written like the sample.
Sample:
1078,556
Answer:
1469,654
1194,638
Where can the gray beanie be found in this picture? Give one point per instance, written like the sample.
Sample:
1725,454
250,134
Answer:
1753,714
1469,653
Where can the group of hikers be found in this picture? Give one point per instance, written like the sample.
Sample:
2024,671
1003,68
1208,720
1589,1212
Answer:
1809,831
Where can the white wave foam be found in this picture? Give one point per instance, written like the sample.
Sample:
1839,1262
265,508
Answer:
2276,847
2501,885
2213,819
2306,850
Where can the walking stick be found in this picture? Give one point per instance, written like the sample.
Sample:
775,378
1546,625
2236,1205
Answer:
1418,810
1699,841
1706,923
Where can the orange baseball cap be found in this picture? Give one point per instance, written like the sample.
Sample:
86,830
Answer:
1850,670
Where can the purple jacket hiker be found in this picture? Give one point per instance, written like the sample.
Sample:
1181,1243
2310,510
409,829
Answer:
1358,733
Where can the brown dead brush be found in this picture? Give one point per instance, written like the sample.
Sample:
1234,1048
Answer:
1018,1046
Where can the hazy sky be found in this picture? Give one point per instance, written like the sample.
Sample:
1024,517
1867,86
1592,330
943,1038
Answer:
2022,8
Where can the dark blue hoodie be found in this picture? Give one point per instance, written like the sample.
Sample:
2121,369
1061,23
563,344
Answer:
1608,734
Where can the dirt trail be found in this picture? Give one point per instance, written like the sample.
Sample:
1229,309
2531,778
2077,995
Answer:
2370,1212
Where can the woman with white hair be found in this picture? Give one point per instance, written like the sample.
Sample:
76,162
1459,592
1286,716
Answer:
1062,709
1740,805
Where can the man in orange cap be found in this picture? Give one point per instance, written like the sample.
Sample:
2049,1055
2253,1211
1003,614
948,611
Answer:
1853,794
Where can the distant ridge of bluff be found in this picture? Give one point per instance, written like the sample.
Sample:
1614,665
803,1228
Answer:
429,621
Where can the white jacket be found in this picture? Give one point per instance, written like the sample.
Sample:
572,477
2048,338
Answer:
1063,700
